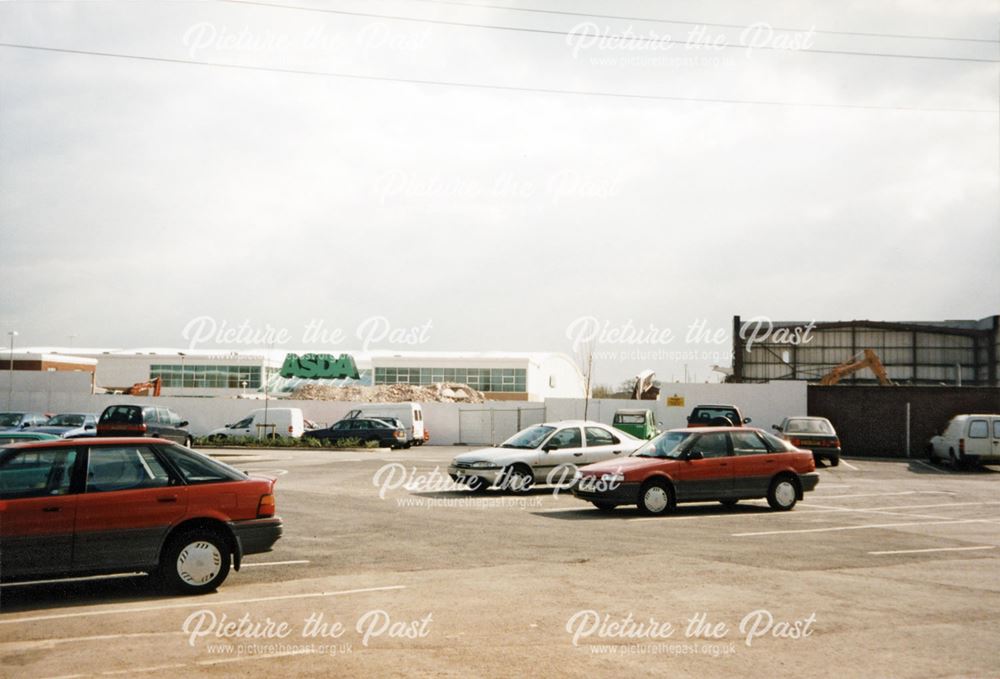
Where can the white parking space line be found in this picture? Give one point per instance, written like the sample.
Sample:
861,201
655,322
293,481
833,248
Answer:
274,563
219,661
905,492
849,465
153,668
50,643
882,512
862,527
929,466
935,549
202,601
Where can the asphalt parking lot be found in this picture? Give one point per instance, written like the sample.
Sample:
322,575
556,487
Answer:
890,568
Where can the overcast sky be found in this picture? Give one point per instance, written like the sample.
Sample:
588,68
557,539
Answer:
137,195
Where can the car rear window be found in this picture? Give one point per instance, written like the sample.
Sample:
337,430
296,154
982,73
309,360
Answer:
808,427
197,468
122,415
112,468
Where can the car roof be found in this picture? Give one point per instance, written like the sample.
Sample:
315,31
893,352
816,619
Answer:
632,411
806,417
705,430
90,441
716,405
572,423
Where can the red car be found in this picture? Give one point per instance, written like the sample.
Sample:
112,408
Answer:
701,464
111,505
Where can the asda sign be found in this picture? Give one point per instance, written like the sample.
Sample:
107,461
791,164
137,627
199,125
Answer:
319,366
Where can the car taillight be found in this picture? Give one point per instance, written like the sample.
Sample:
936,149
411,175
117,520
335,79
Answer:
794,440
961,446
836,442
427,434
266,506
290,430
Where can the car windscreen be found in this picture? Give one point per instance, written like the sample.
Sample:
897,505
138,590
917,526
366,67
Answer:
667,444
531,437
707,414
808,427
65,420
122,414
9,419
198,468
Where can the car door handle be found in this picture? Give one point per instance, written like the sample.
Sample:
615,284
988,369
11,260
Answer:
616,452
577,454
723,464
167,498
51,509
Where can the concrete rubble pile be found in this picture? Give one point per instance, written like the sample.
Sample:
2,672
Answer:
441,392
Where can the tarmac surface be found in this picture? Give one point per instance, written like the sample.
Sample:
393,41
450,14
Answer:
890,568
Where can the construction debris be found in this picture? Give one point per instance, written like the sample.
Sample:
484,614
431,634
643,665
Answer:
441,392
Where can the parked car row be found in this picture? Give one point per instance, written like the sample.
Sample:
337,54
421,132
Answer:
693,464
65,425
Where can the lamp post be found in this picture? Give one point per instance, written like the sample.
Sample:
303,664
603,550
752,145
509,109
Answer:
10,371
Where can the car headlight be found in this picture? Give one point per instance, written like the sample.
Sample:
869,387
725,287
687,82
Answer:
484,464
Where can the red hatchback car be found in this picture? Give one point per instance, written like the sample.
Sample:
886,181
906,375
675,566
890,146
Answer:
701,464
111,505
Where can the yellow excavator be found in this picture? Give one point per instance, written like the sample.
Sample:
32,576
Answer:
854,364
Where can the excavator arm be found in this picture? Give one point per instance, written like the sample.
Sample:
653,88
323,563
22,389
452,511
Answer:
871,361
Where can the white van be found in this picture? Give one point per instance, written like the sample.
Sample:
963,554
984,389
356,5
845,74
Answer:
968,440
409,413
286,422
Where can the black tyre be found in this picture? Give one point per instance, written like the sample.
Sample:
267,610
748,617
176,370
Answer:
835,461
195,562
605,506
655,498
730,502
783,493
518,479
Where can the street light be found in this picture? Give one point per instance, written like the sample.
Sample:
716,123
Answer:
10,368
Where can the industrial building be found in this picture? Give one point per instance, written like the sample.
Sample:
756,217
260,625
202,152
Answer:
523,376
954,352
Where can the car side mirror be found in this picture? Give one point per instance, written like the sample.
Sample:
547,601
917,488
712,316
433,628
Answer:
25,425
693,455
88,426
747,420
182,423
775,427
549,448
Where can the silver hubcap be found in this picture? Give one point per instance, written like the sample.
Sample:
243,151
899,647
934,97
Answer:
784,493
198,563
655,499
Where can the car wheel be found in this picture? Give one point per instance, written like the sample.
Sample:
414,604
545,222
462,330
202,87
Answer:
196,562
518,479
835,461
605,506
729,502
655,498
783,494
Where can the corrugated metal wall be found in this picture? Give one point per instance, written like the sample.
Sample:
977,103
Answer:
912,355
